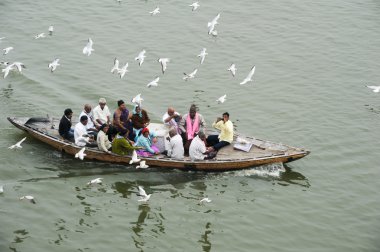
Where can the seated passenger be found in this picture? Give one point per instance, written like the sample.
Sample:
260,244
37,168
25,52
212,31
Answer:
140,118
226,133
198,147
175,149
122,119
172,118
190,125
81,136
64,128
91,127
197,150
121,145
103,143
147,141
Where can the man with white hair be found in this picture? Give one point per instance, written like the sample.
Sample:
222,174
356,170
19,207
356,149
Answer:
175,148
102,113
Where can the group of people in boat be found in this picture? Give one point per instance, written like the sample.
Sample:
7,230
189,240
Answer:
122,132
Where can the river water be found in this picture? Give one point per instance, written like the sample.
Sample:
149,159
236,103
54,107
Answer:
313,60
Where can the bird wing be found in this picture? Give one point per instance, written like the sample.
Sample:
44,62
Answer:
251,73
142,192
20,142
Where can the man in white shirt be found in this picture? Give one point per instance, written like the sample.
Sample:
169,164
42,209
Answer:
171,118
87,112
80,130
102,113
175,149
198,147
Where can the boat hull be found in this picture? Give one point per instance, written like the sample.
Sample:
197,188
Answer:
156,161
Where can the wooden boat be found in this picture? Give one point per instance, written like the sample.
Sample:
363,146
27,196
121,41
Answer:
228,158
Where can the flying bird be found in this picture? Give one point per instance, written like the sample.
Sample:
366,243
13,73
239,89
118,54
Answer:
19,66
211,25
6,70
155,11
153,83
141,57
115,66
137,100
41,35
190,75
80,154
202,55
7,50
249,76
195,6
87,50
122,71
142,165
164,63
1,188
375,89
143,196
205,200
232,69
28,197
134,158
95,181
18,144
222,99
51,29
53,65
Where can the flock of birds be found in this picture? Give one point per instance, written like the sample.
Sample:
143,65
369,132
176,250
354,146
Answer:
122,70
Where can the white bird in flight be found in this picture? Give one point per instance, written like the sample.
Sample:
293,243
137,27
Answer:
211,25
122,71
134,158
143,196
202,55
155,11
205,200
115,66
249,76
80,154
142,165
375,89
190,75
18,144
41,35
164,63
87,50
6,70
141,57
137,99
222,99
1,188
51,29
7,50
53,65
19,66
153,83
28,197
195,6
232,69
95,181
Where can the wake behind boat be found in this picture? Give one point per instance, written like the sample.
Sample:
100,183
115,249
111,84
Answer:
244,152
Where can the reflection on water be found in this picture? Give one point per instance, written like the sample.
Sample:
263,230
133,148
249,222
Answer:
7,92
149,224
20,236
293,178
206,243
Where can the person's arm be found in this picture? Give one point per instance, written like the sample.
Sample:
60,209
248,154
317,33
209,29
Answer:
116,120
146,117
127,146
